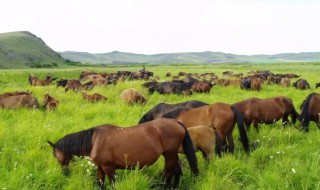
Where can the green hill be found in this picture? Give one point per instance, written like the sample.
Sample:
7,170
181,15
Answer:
25,50
189,57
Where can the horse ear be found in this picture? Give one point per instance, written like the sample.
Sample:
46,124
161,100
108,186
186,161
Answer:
51,144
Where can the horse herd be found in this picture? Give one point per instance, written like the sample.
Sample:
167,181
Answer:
166,129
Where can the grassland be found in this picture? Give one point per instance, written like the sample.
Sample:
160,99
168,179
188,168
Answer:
285,159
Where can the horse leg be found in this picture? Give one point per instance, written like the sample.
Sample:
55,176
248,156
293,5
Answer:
247,126
255,125
177,173
110,171
101,177
285,120
204,154
230,142
170,162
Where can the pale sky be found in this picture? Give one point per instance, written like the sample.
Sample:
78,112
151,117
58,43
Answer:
165,26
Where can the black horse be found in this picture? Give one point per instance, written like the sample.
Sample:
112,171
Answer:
163,108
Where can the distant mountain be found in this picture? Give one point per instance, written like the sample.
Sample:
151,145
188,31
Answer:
25,50
189,57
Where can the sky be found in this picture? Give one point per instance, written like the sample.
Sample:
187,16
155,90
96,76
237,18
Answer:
165,26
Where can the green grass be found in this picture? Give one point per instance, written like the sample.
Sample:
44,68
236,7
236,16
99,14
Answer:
285,159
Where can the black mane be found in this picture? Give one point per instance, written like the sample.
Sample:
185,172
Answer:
75,143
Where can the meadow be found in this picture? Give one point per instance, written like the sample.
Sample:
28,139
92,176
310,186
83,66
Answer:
286,158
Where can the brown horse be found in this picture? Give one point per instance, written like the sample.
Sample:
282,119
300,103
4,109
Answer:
34,81
199,86
49,102
220,116
111,147
133,96
204,139
17,100
268,111
76,85
310,111
256,84
93,97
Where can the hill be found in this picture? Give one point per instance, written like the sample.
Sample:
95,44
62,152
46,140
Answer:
25,50
189,57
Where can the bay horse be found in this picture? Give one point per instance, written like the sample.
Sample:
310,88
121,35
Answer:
93,97
204,139
162,108
219,116
268,111
49,102
200,86
111,147
310,111
17,100
34,81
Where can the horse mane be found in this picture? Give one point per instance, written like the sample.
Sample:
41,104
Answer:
75,143
147,116
175,113
305,119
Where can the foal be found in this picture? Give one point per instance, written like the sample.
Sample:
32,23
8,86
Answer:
49,102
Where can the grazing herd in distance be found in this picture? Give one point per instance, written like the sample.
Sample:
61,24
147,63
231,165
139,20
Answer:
211,131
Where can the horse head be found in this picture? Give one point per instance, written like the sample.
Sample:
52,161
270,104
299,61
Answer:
62,157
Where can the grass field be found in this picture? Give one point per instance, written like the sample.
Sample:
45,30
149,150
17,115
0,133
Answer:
285,159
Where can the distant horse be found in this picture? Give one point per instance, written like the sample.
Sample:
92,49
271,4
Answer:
62,82
111,147
162,108
17,100
76,85
49,102
285,82
34,81
219,116
256,84
93,97
204,139
301,84
268,111
133,96
245,84
318,85
310,110
200,86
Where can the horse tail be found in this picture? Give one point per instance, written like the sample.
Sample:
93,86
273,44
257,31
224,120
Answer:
218,143
305,118
242,130
189,151
294,114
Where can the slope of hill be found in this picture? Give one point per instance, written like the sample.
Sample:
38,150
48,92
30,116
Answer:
25,50
189,57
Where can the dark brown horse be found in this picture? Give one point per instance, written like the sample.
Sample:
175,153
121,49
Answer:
111,147
310,110
162,108
34,81
17,100
93,97
200,86
268,111
76,85
49,102
220,116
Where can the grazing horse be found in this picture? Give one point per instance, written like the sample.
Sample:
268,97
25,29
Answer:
34,81
310,110
204,139
133,96
268,111
245,84
256,84
17,100
162,108
76,85
93,97
285,82
62,82
49,102
219,116
301,84
111,147
199,86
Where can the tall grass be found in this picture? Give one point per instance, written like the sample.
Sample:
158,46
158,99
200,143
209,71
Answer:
285,159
